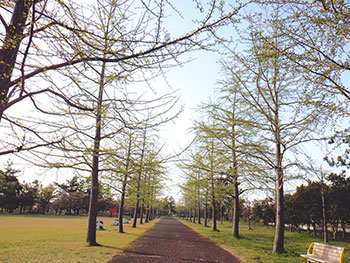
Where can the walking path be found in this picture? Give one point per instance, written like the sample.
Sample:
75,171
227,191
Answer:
170,241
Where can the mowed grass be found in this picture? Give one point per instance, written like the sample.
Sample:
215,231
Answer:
256,245
26,238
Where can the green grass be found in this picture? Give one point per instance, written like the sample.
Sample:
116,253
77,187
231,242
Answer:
27,238
256,245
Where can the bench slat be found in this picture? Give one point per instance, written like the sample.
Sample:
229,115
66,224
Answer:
316,259
327,252
328,247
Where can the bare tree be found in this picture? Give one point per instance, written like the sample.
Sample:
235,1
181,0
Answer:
279,97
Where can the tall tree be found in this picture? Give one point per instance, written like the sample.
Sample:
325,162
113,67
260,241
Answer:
138,181
113,109
10,188
210,163
126,170
340,199
279,97
195,184
44,197
233,131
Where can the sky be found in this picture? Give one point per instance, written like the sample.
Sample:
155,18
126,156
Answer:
197,81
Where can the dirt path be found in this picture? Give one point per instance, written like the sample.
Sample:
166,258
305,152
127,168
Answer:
170,241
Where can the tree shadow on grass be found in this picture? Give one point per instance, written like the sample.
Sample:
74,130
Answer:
110,247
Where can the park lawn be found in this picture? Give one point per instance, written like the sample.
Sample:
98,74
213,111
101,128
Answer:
39,238
255,246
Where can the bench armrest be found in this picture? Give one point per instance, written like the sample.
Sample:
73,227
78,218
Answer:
310,249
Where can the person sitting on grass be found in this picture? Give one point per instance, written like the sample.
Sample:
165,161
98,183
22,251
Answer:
115,222
99,225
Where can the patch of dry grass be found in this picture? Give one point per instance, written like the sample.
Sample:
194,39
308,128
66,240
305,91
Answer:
61,239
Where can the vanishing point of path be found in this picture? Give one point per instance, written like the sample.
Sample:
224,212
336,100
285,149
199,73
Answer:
170,241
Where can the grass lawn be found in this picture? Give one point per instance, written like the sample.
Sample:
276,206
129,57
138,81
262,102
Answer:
256,245
39,238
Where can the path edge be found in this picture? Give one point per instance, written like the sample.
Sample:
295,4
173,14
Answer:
224,247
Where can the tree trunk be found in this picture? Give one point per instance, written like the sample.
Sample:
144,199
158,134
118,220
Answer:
10,47
324,219
249,223
147,214
199,210
213,205
93,205
206,214
92,215
221,214
134,222
235,212
335,230
139,181
121,210
278,245
150,214
214,215
141,212
125,180
343,227
314,228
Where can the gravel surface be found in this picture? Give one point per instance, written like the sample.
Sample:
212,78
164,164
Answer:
170,241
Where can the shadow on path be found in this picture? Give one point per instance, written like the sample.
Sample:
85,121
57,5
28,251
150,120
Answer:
170,241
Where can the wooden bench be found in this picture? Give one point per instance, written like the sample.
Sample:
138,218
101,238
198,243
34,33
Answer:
324,253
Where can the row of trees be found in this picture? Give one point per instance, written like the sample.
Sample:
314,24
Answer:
72,198
318,206
79,66
321,204
276,97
